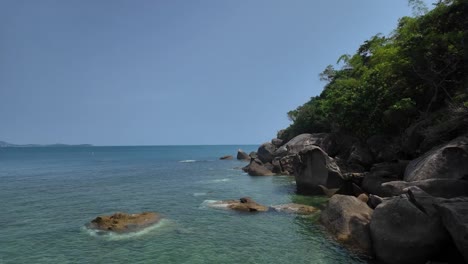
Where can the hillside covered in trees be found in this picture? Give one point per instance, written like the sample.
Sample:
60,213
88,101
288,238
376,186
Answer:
417,72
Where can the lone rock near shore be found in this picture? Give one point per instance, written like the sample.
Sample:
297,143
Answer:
123,222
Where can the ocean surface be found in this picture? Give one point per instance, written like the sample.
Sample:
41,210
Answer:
48,194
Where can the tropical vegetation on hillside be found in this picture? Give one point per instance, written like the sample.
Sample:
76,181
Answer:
391,81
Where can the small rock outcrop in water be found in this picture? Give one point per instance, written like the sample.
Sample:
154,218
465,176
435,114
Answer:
241,155
257,168
227,157
295,208
245,204
347,218
123,222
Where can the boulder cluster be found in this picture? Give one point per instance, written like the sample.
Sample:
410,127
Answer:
388,201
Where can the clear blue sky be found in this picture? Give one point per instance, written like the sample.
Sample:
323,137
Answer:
171,72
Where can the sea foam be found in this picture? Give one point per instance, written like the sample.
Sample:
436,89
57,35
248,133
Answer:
187,161
164,224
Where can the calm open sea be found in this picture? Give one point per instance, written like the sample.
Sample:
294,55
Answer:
47,195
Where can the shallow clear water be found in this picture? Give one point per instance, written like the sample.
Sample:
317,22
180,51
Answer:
47,195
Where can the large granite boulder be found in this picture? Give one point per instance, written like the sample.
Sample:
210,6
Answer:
454,214
277,142
313,167
123,222
298,143
244,204
241,155
295,208
445,188
266,152
347,218
407,229
334,144
257,168
448,161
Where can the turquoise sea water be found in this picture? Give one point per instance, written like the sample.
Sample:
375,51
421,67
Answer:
47,195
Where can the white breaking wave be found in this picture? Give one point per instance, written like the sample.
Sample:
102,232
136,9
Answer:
164,224
187,161
219,180
213,204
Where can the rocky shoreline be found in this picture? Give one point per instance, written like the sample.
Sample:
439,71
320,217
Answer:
390,202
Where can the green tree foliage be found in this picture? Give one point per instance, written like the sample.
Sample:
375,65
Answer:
392,80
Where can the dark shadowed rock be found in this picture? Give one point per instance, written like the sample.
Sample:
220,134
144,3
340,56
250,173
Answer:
384,148
407,229
241,155
266,152
295,208
287,164
350,188
347,218
449,161
454,214
413,136
313,167
227,157
374,201
253,155
277,142
123,222
256,168
381,173
338,145
276,164
445,188
245,204
361,155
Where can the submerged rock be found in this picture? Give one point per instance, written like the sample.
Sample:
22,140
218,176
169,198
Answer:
123,222
227,157
295,208
245,204
347,218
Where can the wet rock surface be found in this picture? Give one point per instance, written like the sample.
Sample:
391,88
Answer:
123,222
